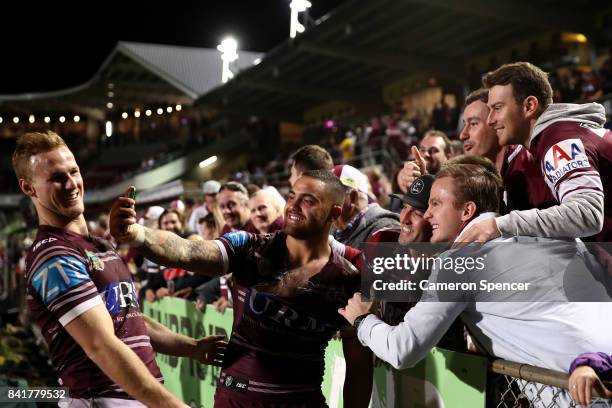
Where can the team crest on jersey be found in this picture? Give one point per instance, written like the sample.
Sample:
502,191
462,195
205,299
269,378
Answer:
96,263
564,157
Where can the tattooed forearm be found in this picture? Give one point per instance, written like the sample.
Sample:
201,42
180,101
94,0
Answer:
168,249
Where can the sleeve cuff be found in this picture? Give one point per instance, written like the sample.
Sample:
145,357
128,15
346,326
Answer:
600,362
79,309
223,255
503,224
365,329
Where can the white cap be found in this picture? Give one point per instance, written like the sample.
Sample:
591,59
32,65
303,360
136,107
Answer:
351,177
277,196
211,187
178,204
154,212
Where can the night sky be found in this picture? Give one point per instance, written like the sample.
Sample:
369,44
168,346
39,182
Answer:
54,45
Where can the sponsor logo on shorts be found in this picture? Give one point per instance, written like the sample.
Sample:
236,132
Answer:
235,383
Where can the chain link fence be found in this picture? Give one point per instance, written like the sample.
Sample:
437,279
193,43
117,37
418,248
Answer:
515,385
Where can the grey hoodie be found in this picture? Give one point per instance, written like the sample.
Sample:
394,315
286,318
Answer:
592,114
374,219
579,215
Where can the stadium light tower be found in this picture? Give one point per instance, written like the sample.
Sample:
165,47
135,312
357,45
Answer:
297,6
228,49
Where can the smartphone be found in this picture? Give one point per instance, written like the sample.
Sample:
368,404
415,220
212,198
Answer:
130,193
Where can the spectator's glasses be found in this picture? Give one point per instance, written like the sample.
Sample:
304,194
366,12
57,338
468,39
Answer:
431,151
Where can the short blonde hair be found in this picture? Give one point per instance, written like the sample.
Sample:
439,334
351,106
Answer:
31,144
475,179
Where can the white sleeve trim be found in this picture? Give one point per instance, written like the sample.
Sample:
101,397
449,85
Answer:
79,309
223,255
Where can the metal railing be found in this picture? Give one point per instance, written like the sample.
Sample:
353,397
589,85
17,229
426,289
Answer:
516,385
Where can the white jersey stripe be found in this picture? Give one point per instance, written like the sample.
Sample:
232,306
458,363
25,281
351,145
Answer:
87,286
55,251
223,255
79,309
73,297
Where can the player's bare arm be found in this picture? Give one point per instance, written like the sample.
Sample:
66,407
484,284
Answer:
207,350
163,247
93,331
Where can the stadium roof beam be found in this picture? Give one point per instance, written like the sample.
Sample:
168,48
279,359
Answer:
308,90
525,13
387,59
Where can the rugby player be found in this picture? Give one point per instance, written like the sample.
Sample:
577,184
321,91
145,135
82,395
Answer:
287,289
81,294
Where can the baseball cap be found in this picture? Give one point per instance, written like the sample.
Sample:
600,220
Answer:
351,177
178,204
211,187
153,212
418,193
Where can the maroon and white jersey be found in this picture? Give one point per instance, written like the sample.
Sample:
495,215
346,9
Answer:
524,187
282,323
68,274
574,158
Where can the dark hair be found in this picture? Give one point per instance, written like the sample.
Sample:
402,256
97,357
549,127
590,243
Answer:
332,183
475,179
526,80
167,211
481,94
456,147
442,135
311,157
252,189
209,220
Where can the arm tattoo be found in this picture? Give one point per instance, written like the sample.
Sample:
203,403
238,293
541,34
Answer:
168,249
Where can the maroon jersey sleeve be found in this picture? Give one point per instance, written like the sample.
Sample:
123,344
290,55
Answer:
242,254
568,156
59,277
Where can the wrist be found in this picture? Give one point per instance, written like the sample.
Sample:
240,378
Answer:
190,346
360,319
139,239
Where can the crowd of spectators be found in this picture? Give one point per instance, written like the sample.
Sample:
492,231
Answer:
252,200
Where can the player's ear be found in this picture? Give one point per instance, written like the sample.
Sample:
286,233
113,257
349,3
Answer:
335,212
530,105
27,188
469,211
354,197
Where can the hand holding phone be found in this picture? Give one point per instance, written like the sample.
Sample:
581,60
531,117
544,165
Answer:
130,193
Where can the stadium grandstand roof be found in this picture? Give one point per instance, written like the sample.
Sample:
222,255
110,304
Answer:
351,53
139,74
